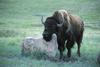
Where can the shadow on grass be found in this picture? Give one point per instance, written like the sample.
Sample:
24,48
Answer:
44,56
74,59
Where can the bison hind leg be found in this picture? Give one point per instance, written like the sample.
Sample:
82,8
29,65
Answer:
78,50
79,41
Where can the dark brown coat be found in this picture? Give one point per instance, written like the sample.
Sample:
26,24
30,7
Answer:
68,28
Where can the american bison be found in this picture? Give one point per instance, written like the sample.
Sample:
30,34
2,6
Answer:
31,44
98,58
67,27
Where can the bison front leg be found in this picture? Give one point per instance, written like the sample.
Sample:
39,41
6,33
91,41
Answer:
69,45
78,50
61,48
61,53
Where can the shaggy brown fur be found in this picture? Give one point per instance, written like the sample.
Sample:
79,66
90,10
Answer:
69,27
72,31
31,44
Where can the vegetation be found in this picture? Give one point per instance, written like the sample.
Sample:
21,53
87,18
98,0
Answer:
18,19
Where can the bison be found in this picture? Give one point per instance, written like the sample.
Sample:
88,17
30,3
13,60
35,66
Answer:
98,58
31,44
68,28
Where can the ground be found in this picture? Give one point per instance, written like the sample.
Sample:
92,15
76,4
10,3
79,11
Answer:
18,19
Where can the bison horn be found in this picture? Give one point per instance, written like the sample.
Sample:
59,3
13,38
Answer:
42,20
60,25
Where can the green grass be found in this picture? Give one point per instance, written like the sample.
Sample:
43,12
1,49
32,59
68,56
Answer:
18,19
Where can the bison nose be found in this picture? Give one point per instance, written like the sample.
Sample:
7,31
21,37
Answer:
45,35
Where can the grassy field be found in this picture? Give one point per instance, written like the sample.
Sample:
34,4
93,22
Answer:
18,19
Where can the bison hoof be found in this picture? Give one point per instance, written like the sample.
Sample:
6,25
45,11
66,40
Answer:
79,54
69,55
61,57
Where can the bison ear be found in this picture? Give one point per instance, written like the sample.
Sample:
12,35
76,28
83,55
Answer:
55,14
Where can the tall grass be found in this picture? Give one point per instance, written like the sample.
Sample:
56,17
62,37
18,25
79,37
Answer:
18,19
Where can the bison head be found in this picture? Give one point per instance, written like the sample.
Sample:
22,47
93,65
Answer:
50,27
56,23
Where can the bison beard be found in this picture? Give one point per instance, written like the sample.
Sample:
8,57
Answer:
67,28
